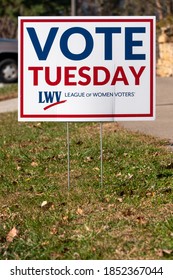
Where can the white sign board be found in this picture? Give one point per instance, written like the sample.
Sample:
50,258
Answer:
86,68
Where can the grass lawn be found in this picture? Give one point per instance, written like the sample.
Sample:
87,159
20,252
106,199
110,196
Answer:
8,91
130,217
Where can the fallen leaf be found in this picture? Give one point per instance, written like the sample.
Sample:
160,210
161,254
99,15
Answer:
129,176
45,243
76,256
43,203
47,205
34,164
53,231
167,252
96,169
61,156
150,194
88,159
87,228
118,174
38,124
79,211
162,252
12,234
159,253
170,166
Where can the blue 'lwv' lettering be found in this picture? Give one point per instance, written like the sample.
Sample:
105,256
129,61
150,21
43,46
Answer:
49,96
42,54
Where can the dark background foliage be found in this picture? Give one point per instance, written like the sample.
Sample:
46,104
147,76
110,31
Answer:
11,9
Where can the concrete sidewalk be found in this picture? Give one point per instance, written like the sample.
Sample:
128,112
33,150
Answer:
9,105
162,127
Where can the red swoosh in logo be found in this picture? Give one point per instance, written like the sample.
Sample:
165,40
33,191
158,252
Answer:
51,105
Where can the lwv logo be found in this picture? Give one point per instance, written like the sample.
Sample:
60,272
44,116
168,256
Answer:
52,97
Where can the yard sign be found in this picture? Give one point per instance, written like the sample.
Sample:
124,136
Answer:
86,68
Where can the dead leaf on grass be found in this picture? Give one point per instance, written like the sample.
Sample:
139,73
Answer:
45,243
76,256
18,167
150,194
53,231
37,125
88,159
87,228
79,211
12,234
162,252
170,166
47,205
167,252
129,176
118,174
96,169
43,203
34,164
159,253
120,199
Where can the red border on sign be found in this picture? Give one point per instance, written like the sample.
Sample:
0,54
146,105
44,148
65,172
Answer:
89,116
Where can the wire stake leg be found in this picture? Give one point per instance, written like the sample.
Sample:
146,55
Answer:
101,155
68,155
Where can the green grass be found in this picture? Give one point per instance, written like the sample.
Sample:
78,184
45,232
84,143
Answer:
8,91
130,217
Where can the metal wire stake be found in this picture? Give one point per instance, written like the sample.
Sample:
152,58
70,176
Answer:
68,155
101,156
